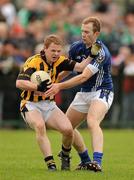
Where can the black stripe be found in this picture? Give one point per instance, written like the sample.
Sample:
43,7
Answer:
30,71
42,66
24,110
23,77
31,98
48,158
25,94
66,65
40,98
65,149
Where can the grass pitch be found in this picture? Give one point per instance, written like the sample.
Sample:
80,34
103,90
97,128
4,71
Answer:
20,158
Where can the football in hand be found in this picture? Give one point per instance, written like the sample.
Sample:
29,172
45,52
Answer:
40,76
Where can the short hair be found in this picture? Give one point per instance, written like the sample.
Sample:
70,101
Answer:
95,21
52,39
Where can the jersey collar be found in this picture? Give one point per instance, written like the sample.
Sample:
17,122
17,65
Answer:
43,56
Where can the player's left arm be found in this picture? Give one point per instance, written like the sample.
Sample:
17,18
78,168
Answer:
79,79
92,68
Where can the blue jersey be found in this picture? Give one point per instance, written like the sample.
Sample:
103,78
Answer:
102,78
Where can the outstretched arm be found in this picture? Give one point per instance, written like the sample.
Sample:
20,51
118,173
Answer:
79,67
79,79
63,75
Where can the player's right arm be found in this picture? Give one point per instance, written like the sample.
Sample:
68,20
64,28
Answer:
26,85
23,81
30,86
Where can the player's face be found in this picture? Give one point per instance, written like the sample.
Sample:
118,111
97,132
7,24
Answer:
88,36
53,52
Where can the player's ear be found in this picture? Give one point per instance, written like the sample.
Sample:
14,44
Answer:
97,33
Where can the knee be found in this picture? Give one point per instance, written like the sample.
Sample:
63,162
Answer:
39,128
68,132
93,124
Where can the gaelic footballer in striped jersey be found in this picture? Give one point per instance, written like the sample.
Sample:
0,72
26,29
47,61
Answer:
39,111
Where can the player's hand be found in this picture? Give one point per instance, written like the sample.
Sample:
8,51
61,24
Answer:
44,86
53,89
95,49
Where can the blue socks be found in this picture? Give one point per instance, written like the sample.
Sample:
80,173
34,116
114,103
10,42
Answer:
84,157
97,156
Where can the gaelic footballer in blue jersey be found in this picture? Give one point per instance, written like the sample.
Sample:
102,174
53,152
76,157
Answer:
100,66
96,95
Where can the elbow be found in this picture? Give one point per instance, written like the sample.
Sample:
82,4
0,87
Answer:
17,84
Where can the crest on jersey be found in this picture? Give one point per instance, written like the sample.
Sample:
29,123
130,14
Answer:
100,58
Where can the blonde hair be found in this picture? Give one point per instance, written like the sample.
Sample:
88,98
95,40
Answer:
95,21
52,39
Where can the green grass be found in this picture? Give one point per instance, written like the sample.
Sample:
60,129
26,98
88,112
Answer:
20,158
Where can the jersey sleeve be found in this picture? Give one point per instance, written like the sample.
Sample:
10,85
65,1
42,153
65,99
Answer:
76,51
67,65
27,70
72,51
97,63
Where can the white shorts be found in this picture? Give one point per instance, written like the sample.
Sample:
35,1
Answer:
83,100
44,107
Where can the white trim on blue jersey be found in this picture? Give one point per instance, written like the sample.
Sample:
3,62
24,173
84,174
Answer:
93,68
99,80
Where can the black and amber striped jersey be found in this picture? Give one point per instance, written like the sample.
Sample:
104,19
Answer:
38,62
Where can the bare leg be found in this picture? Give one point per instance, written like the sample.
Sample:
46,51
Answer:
76,118
95,115
35,121
78,142
60,122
